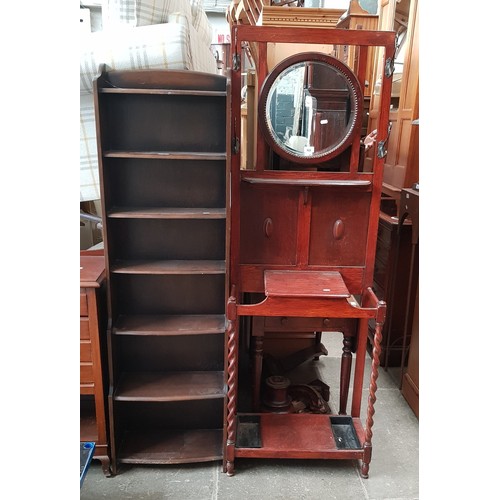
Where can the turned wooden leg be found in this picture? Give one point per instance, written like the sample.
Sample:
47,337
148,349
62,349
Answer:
258,351
345,373
367,445
232,372
318,341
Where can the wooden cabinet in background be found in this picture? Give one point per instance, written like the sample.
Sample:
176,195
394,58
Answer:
93,373
401,169
409,208
357,18
410,382
390,283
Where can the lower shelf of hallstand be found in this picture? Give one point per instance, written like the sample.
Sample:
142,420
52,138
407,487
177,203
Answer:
171,446
304,435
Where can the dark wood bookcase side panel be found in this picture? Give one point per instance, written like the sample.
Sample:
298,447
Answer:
136,122
165,183
190,239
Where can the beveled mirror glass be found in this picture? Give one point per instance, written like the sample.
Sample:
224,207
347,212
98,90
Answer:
310,107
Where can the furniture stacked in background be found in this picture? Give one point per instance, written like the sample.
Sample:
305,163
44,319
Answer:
137,34
162,138
304,226
400,166
409,206
401,171
93,357
391,279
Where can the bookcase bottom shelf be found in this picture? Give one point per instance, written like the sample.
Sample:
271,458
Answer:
315,436
171,446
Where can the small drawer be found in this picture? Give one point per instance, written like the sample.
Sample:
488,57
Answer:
280,323
86,373
84,310
84,329
85,352
290,336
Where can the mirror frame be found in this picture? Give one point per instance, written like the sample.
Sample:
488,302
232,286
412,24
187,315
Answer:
355,119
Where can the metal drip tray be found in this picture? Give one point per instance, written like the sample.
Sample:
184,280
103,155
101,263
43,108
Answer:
344,433
248,432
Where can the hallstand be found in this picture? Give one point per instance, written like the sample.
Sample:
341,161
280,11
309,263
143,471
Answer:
304,231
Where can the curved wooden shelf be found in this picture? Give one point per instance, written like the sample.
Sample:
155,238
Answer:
195,324
166,213
166,155
169,267
149,91
171,447
170,386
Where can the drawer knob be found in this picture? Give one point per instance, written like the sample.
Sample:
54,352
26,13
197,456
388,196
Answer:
327,321
284,320
268,227
338,229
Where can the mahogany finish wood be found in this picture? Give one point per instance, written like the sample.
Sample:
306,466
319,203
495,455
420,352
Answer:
169,386
171,447
319,284
93,376
162,139
391,283
292,341
409,207
300,436
303,240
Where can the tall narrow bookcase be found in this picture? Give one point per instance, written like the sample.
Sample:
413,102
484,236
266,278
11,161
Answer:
162,145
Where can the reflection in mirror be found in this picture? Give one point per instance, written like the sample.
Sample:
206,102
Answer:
310,107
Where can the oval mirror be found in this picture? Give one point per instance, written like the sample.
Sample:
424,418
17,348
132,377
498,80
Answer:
310,107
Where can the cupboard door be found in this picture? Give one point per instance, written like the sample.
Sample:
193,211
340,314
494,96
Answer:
339,223
270,220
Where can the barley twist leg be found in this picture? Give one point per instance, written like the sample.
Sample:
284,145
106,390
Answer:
231,385
367,446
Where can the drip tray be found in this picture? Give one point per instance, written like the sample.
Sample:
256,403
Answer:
344,433
248,432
